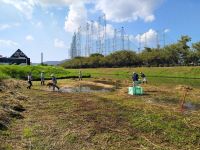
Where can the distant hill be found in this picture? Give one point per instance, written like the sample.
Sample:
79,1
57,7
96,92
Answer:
54,63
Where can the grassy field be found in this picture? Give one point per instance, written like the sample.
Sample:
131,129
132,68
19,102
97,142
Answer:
99,120
21,72
112,120
156,75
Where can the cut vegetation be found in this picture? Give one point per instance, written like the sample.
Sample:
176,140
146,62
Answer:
99,120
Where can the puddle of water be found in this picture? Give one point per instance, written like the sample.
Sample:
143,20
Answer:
191,106
116,84
187,105
85,89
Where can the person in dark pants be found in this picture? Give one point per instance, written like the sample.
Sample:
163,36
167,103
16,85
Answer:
29,81
144,80
54,81
135,78
42,78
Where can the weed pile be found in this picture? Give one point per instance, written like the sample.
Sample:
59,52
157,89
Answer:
11,102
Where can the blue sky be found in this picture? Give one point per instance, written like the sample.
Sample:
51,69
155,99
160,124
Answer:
47,26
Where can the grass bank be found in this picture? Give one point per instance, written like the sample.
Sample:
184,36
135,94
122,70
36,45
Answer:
20,72
155,75
170,72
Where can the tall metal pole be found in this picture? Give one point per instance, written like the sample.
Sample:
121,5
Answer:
140,44
78,47
87,49
164,38
122,37
157,40
92,37
115,40
145,39
99,35
128,40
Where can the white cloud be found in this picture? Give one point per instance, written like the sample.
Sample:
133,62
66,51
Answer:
8,43
7,26
39,24
4,26
128,10
166,30
148,37
77,16
29,38
25,7
118,11
59,2
59,43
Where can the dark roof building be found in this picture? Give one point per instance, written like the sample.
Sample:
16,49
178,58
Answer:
17,58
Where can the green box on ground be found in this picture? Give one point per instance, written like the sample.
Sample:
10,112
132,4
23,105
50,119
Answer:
135,90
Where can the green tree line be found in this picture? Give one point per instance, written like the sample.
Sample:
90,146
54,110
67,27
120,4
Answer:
176,54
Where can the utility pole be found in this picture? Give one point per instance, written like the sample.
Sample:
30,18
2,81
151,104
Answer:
104,36
164,38
140,44
87,47
157,40
128,40
78,42
99,35
115,40
122,38
145,39
92,37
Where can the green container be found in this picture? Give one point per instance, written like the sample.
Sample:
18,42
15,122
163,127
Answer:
136,90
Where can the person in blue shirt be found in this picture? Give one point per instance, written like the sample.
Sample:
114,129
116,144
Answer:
135,78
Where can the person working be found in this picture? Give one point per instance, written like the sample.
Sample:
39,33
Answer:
135,78
29,81
42,78
144,80
80,75
54,81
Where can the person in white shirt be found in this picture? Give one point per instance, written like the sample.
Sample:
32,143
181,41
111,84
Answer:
42,78
29,81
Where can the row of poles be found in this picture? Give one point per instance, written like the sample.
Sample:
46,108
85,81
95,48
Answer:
94,38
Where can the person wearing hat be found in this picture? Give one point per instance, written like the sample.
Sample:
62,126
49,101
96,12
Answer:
54,81
144,80
42,78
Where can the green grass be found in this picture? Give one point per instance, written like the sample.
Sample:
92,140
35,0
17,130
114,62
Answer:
155,75
173,72
21,72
